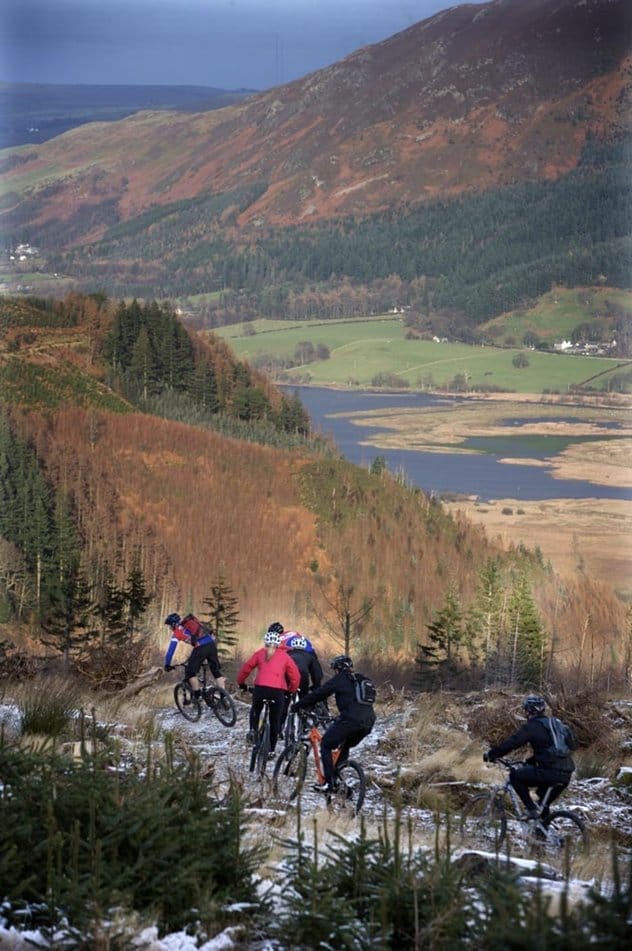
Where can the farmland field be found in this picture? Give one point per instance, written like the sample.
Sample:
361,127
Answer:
362,349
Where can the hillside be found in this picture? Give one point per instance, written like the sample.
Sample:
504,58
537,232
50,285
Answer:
461,125
478,95
31,113
296,533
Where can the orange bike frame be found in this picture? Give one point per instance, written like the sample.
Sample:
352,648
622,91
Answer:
315,737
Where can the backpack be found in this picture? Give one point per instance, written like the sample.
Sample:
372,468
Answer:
563,740
365,691
196,629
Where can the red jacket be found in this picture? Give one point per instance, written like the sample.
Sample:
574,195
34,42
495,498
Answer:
278,671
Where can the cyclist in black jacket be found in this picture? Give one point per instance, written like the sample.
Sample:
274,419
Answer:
544,768
307,663
355,721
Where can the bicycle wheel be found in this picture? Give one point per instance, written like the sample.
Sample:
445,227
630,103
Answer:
289,772
566,834
263,750
221,703
188,705
350,790
289,732
484,820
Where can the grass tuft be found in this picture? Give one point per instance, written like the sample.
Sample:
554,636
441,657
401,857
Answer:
48,712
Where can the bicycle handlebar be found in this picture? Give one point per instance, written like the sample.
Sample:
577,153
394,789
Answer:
506,763
313,719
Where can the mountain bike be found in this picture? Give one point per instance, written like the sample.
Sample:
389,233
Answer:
491,816
260,753
290,770
290,728
218,699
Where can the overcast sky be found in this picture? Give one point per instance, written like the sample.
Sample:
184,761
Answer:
229,44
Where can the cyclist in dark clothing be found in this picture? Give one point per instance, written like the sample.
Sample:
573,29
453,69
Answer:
307,662
544,768
355,721
306,659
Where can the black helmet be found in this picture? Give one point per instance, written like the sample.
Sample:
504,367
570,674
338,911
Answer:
275,628
172,619
342,662
534,704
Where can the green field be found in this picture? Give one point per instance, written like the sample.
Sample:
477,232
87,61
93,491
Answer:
556,314
362,349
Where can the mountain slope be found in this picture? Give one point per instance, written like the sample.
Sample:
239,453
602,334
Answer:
292,532
476,96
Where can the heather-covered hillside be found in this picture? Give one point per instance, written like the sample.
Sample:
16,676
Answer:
480,156
296,533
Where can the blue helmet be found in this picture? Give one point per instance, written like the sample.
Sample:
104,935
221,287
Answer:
298,642
173,620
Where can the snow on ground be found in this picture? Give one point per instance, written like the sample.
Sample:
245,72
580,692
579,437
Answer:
224,755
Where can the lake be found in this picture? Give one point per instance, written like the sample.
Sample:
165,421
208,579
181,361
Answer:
446,472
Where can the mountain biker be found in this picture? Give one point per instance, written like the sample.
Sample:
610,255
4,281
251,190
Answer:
276,675
288,636
544,768
306,659
190,631
354,723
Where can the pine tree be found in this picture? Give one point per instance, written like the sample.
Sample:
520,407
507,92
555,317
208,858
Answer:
136,597
486,617
526,634
110,611
223,614
440,660
67,625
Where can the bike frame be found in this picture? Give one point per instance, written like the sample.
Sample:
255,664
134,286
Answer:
314,737
506,790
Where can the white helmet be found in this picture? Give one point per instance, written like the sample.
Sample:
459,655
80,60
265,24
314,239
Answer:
271,638
297,642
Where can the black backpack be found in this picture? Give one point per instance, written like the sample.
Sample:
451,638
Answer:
563,741
365,690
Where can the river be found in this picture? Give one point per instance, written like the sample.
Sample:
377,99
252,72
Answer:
480,474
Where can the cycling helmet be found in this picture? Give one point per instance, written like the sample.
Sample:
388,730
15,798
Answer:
172,619
342,662
275,628
534,704
271,638
297,642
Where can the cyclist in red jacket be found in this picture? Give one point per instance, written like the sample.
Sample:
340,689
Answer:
276,675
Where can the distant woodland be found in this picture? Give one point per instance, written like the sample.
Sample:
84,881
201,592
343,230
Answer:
461,260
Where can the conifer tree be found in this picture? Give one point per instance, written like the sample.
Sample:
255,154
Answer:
486,616
525,635
136,597
110,610
440,660
67,625
223,613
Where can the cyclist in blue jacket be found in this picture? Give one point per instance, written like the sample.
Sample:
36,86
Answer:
190,631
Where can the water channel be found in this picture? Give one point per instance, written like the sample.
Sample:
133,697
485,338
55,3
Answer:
481,473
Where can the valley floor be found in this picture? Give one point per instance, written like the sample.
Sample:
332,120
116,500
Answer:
593,535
